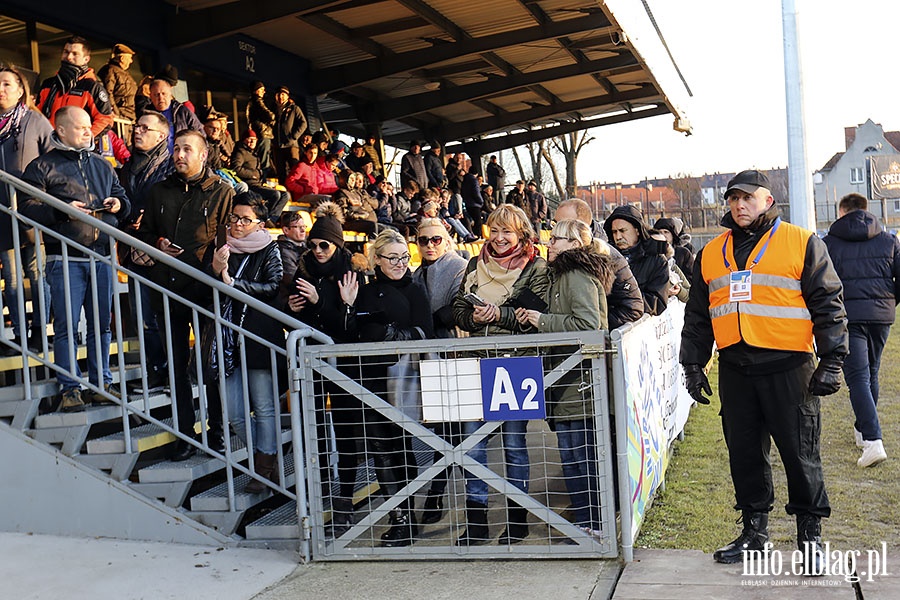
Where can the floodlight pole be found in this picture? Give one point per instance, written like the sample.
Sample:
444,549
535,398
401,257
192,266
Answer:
802,208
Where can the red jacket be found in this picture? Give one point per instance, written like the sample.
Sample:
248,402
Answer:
302,180
87,93
325,177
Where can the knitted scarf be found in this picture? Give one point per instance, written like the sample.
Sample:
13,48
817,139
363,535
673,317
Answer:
10,122
250,243
496,274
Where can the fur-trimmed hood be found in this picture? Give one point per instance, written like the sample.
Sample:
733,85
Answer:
587,260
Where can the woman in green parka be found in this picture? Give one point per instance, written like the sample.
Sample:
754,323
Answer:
579,272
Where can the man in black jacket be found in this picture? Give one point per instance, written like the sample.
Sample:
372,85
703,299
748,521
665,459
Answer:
627,230
867,259
766,293
181,217
149,164
73,173
290,123
624,301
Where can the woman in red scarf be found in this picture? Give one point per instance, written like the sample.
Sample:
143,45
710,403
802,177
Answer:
507,266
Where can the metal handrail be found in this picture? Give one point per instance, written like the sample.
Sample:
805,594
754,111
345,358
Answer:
297,330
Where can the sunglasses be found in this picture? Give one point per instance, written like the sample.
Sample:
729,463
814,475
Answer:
323,245
435,239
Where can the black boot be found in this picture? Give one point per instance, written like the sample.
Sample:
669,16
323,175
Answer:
403,529
341,516
433,509
753,537
517,528
809,541
476,532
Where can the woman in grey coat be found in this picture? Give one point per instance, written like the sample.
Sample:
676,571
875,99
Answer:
24,135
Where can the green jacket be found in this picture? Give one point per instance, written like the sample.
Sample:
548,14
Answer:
577,302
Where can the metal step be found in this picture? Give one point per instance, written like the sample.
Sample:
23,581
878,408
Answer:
280,524
119,466
197,466
172,493
216,499
143,438
98,414
43,388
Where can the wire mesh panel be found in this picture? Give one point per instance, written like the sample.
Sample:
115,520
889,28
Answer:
478,447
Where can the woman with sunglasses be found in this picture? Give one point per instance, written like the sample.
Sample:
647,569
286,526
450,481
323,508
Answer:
440,274
506,267
318,303
392,307
250,261
580,269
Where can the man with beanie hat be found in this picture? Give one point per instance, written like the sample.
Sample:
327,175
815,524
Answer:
768,297
261,120
247,165
290,123
626,229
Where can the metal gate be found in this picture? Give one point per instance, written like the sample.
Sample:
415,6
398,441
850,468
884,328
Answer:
389,432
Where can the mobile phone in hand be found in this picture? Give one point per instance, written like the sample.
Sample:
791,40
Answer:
474,299
175,247
221,236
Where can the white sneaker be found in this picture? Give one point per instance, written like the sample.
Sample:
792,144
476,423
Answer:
858,435
873,453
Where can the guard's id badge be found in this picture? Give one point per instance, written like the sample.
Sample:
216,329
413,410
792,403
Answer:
740,286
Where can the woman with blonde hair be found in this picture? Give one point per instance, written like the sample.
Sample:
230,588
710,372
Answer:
580,269
507,267
391,307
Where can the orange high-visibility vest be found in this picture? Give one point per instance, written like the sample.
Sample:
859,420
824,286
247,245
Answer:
776,315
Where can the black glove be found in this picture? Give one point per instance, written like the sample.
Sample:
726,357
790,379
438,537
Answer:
826,379
696,383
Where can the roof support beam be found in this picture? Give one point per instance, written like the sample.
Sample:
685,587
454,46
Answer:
342,32
334,78
192,27
502,142
459,131
409,105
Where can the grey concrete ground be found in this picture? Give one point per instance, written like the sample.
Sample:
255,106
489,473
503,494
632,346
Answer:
39,567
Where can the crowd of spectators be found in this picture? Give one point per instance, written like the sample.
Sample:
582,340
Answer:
185,179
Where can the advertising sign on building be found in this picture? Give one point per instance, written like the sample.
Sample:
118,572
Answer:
885,176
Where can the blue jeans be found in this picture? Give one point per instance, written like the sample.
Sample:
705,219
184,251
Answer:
262,401
98,317
155,353
578,452
29,263
861,372
515,453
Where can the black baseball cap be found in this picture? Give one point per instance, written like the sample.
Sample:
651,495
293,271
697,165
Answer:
747,181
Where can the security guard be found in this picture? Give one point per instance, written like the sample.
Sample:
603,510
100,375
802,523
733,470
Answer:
767,294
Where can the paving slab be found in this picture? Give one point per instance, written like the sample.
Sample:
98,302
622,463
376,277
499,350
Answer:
450,580
693,575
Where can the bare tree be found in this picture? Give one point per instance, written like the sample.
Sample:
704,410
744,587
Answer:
519,164
570,145
537,158
545,152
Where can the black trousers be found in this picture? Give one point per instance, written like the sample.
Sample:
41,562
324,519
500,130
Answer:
757,409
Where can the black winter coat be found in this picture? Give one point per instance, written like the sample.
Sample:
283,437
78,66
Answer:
330,314
259,116
245,164
867,259
651,271
821,291
260,278
142,172
624,301
390,310
74,175
186,213
434,167
289,125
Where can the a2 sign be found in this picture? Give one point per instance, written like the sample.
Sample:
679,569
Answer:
512,389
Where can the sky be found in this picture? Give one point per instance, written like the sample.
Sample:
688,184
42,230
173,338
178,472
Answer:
731,54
